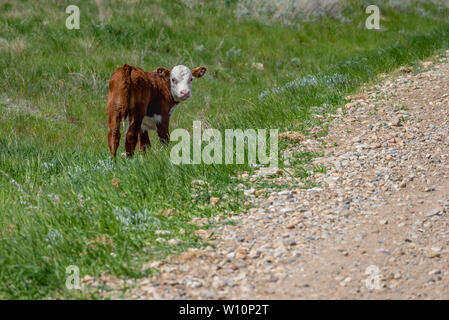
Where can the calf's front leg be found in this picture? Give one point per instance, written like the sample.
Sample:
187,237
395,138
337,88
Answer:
162,129
143,141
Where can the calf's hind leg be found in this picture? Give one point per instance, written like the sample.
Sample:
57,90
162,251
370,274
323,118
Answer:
132,135
114,133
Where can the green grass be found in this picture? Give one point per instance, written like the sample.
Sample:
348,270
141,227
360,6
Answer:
66,195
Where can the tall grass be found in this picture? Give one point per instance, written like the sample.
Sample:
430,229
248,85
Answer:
289,11
63,202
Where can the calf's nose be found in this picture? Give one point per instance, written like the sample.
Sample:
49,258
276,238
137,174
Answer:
185,92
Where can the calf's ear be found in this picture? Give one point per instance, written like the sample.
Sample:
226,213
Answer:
162,72
199,72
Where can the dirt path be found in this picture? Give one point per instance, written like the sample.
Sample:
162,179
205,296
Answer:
377,228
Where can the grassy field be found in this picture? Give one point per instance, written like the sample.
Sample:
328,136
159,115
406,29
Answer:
64,202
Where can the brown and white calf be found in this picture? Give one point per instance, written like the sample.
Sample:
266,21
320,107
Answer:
146,99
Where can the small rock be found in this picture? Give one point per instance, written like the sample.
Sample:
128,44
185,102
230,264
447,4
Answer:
435,253
292,243
345,281
214,200
433,272
249,192
395,122
433,212
193,283
162,232
174,242
202,233
406,69
199,221
199,183
257,66
242,251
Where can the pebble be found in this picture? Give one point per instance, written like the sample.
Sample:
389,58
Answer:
214,200
433,212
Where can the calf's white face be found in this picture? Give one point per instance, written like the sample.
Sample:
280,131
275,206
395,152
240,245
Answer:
180,78
181,83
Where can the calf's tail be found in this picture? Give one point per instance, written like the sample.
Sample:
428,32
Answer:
127,89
